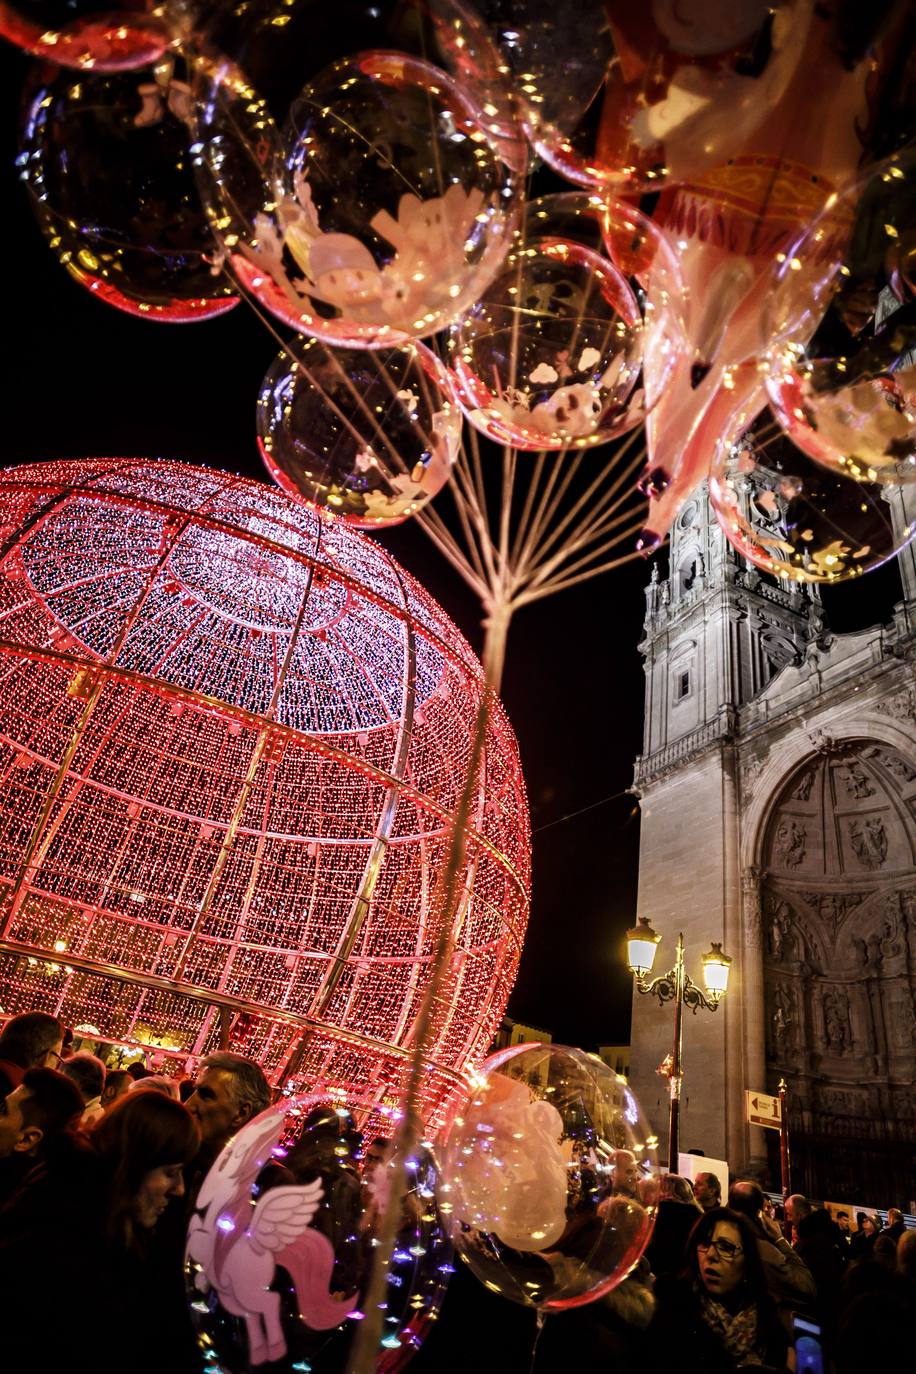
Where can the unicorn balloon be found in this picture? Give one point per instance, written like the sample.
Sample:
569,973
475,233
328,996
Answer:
235,1243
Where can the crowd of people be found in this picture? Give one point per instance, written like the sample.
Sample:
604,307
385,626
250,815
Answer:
98,1174
100,1169
740,1284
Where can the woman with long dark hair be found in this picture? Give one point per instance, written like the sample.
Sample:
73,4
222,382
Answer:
717,1316
142,1145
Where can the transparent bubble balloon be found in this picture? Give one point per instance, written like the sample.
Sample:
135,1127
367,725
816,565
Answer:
106,159
797,519
842,320
86,35
551,355
376,211
368,434
550,1177
616,94
280,1245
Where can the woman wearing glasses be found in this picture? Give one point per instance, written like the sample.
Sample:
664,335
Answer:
718,1310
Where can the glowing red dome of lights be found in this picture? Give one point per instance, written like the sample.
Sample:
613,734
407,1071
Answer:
232,732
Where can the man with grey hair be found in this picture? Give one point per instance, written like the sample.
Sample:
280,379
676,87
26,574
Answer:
32,1040
797,1208
88,1073
230,1090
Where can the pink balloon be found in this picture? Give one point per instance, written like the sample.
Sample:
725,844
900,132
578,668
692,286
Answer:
732,225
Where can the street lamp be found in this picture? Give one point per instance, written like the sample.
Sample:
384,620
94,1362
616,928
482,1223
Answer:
676,986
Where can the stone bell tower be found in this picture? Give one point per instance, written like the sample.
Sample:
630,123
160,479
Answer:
747,694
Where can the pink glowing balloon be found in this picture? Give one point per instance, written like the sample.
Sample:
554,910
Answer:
280,1247
797,519
551,355
86,35
106,158
842,381
379,212
550,1177
370,435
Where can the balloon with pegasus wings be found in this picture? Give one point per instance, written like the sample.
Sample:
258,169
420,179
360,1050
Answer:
236,1243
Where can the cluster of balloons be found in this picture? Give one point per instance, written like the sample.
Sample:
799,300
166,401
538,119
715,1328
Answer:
358,172
545,1185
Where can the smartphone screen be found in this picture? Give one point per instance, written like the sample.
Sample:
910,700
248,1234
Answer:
809,1357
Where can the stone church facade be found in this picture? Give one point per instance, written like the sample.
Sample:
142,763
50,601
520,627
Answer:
777,787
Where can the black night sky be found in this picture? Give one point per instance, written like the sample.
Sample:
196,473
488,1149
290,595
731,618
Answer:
82,379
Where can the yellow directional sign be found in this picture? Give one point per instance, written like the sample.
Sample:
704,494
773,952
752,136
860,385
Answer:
763,1110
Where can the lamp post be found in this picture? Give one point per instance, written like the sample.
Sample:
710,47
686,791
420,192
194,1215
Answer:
676,986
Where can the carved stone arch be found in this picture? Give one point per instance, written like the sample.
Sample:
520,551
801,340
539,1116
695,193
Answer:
837,865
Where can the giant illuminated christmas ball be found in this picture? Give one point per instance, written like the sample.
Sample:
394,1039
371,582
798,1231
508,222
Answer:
233,732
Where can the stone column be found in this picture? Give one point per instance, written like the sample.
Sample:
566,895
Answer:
752,996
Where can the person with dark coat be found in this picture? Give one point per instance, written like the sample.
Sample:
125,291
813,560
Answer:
48,1224
824,1251
675,1217
863,1242
717,1316
790,1282
142,1146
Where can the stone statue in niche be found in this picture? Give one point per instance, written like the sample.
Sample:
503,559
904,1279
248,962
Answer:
870,844
802,789
857,781
836,1021
791,839
778,931
782,1022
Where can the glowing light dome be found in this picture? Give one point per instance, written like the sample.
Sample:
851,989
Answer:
232,734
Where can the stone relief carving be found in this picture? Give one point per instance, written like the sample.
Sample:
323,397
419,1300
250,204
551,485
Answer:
833,907
840,1101
839,936
869,844
791,840
750,772
899,1016
856,780
897,765
899,707
802,789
